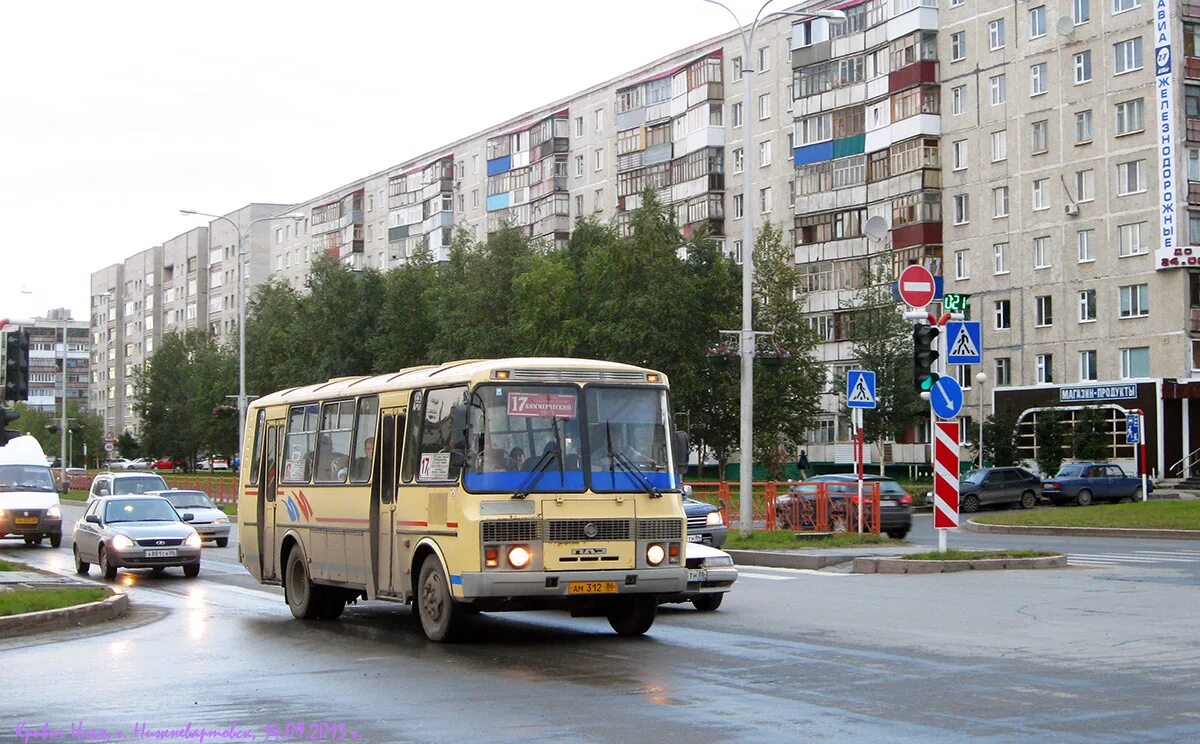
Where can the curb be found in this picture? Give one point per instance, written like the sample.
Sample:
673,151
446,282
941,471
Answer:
76,616
1006,529
901,566
769,559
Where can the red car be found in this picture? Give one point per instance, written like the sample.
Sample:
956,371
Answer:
167,463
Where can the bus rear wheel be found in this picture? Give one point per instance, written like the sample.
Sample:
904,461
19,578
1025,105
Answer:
633,616
441,617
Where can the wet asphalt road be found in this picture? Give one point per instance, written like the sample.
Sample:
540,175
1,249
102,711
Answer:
1091,654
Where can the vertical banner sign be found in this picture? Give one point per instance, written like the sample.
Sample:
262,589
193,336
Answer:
1172,250
945,475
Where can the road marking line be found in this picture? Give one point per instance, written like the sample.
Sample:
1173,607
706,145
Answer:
768,577
1137,559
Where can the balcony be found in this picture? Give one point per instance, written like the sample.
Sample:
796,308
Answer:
1191,68
914,74
922,233
1194,327
1193,193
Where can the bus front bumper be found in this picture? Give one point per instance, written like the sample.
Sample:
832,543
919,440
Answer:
575,584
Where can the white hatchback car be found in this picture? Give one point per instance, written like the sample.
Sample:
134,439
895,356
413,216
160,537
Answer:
711,574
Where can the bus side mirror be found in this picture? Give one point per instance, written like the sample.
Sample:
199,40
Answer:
682,450
458,428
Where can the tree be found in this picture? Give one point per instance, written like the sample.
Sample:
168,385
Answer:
883,343
1000,437
1093,432
128,446
337,319
273,340
36,423
1048,433
407,316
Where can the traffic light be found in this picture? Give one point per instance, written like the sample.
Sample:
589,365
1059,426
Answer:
7,416
16,365
924,355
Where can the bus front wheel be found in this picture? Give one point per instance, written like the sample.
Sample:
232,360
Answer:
441,617
303,596
633,616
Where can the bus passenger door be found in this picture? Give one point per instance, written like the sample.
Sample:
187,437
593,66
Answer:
383,509
268,554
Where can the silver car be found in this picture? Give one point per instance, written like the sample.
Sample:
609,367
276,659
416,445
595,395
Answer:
135,532
207,517
711,574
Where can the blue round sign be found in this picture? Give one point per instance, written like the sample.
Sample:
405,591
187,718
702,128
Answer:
946,397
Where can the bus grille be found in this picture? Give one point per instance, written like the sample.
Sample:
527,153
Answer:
577,530
511,530
578,375
659,529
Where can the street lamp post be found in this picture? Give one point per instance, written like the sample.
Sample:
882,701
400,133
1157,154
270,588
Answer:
981,378
746,346
241,279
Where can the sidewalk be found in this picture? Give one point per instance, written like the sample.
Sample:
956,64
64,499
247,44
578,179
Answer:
817,558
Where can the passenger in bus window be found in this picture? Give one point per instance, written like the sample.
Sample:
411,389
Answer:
600,448
361,470
516,458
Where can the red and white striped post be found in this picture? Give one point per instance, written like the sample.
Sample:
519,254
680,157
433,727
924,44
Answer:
945,479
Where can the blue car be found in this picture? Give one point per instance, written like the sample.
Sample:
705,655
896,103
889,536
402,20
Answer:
1084,482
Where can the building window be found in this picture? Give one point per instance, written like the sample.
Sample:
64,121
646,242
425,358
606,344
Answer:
1081,11
1083,245
1003,371
1000,258
579,165
1083,67
958,96
737,115
1041,194
579,205
1120,6
599,159
959,152
764,200
1083,127
1043,311
1193,228
960,265
1135,362
578,126
764,59
1134,300
738,206
1043,366
764,153
962,209
1000,202
1087,305
998,90
764,106
996,34
999,145
474,198
1087,365
598,203
1038,79
1127,55
1130,116
1129,240
599,119
738,160
1131,177
958,46
1037,22
1002,319
736,72
1195,357
1085,187
1041,252
1040,133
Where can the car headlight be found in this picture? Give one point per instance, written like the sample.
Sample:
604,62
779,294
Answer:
54,512
193,540
122,542
714,519
221,520
719,560
655,554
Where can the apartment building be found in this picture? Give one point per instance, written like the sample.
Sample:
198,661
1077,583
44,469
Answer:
49,361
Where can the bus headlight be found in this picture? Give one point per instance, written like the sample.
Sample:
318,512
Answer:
655,554
519,556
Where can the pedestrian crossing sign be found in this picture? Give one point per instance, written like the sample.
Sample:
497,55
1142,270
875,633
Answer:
860,388
965,339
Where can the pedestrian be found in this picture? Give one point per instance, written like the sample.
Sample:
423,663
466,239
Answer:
802,465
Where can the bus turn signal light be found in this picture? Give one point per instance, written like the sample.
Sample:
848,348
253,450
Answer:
491,557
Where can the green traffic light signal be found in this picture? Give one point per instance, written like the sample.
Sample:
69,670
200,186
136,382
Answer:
924,355
928,382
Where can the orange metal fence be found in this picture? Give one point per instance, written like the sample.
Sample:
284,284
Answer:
797,507
220,488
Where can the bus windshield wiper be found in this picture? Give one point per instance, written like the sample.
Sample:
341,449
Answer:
627,466
552,452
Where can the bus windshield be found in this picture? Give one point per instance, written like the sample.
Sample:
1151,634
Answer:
627,439
524,438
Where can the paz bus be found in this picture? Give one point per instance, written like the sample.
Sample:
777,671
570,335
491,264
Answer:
482,485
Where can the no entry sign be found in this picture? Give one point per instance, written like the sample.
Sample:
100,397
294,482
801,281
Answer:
945,475
916,286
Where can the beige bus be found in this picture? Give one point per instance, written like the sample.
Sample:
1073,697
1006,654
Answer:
483,485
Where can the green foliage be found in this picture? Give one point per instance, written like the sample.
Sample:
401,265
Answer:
1048,431
37,423
176,392
1092,435
128,446
1000,437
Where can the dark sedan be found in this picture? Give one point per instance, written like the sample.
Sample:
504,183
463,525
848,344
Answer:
987,486
895,505
1085,482
704,522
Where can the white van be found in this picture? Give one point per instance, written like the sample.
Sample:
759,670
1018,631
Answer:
29,505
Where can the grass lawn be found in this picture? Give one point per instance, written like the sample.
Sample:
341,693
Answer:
783,539
1172,515
7,566
974,555
230,509
19,601
74,496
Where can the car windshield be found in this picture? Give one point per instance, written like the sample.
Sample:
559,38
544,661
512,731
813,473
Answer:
139,510
628,442
1067,471
975,476
189,500
138,484
26,478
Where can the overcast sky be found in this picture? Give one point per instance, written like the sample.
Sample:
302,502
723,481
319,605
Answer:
118,114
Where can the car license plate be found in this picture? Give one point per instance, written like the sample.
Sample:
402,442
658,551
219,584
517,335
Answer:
697,574
26,520
695,538
161,553
592,587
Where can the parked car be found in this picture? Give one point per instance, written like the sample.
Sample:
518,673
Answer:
168,463
1007,485
141,463
207,517
704,522
1085,482
213,463
119,463
125,484
711,574
135,532
895,505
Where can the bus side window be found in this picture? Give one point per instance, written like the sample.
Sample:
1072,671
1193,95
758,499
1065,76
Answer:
256,452
414,434
387,469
